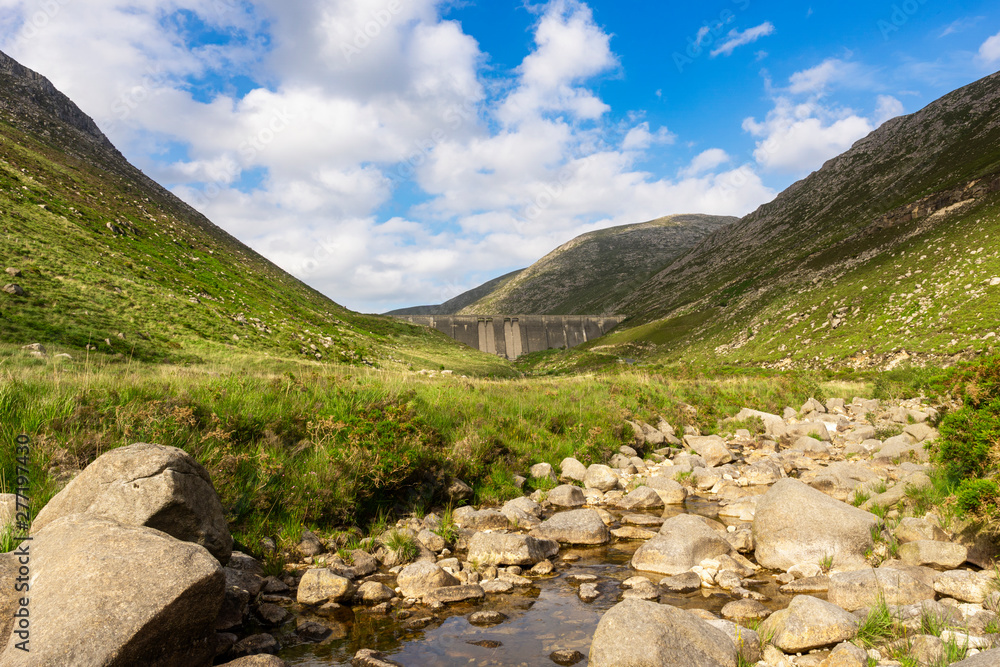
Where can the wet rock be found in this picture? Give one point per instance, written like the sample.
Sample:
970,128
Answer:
633,533
311,631
588,592
255,645
419,579
642,498
574,527
807,585
930,553
510,549
320,585
600,477
495,586
809,623
684,541
147,485
711,448
567,495
369,658
85,570
484,618
741,611
272,615
372,593
864,588
670,491
641,588
647,634
262,660
566,657
451,594
688,582
795,523
543,568
572,470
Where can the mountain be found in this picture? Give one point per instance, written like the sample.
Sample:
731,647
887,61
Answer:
452,306
101,258
889,250
588,275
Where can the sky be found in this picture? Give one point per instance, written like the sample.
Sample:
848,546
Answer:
393,153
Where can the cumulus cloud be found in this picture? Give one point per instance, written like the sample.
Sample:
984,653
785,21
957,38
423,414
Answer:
989,52
706,161
737,39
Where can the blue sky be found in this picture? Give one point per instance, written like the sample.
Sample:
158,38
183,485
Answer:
399,152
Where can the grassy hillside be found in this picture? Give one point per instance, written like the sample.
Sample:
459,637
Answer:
886,252
588,275
111,263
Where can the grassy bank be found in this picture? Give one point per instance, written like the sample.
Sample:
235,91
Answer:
292,444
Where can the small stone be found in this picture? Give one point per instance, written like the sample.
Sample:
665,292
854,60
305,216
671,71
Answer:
589,592
311,631
14,289
566,657
273,615
487,618
255,645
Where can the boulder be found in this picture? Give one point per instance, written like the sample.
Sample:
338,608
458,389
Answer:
816,430
965,585
809,623
567,495
763,473
712,448
865,588
902,447
418,579
774,426
571,470
840,479
812,447
320,585
541,471
642,498
912,529
459,490
147,485
931,553
522,512
508,549
684,541
104,593
985,659
846,655
670,491
262,660
637,633
600,477
746,641
574,527
452,594
742,611
485,519
689,582
795,523
368,658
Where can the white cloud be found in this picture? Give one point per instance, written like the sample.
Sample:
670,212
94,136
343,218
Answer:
639,138
887,107
748,36
797,138
816,79
989,52
706,161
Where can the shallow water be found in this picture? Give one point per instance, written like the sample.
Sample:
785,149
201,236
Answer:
544,618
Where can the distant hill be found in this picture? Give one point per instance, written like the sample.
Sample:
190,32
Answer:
109,260
452,306
588,275
889,250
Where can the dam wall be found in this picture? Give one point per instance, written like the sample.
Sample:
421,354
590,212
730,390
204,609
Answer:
516,335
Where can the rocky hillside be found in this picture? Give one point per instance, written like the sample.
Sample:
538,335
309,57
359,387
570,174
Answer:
99,257
887,251
591,273
463,300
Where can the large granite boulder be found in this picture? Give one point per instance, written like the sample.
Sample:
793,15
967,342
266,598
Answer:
637,633
321,585
104,593
507,549
574,527
712,448
808,623
420,578
600,477
147,485
795,523
683,542
865,588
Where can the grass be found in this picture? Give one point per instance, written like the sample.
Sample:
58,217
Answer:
448,531
402,544
878,626
860,497
826,562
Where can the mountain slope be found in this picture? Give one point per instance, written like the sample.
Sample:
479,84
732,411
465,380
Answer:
885,249
591,273
110,261
452,306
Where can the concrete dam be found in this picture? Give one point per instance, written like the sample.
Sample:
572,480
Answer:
514,336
